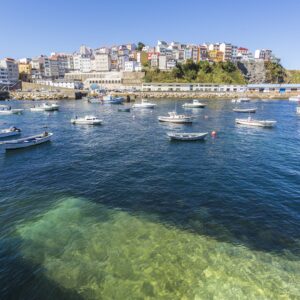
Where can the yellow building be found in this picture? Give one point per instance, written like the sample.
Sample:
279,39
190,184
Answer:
215,55
25,71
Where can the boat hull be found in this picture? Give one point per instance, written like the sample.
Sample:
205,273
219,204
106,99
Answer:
250,110
177,121
9,134
187,136
256,123
85,122
25,143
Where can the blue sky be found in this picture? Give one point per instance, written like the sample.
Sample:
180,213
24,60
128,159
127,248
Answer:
30,28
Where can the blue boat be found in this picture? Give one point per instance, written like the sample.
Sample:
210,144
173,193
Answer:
113,100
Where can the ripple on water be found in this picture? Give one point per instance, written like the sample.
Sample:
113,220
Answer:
104,253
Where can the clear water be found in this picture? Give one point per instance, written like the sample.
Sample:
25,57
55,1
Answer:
119,212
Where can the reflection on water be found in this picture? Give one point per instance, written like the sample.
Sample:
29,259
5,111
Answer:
110,254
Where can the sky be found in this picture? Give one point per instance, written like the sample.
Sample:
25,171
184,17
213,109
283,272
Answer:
30,28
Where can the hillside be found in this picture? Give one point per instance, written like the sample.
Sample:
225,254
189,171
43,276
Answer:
224,73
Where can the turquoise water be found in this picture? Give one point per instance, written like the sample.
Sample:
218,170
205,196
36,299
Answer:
119,212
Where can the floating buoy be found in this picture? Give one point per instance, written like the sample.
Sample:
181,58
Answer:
213,133
205,117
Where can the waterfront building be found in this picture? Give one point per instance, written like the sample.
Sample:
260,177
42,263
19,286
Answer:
132,66
215,55
10,67
25,70
162,62
101,62
203,53
82,62
227,51
121,61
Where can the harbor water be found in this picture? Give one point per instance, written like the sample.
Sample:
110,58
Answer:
119,212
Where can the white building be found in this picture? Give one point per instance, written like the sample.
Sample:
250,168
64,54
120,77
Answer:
162,62
82,63
227,51
9,69
101,62
132,66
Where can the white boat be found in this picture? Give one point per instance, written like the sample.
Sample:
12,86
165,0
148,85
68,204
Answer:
87,120
96,100
45,107
27,142
54,106
258,123
298,110
175,118
295,98
12,131
195,104
182,136
239,100
144,104
245,110
7,110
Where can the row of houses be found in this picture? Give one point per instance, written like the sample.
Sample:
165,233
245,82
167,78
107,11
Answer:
127,58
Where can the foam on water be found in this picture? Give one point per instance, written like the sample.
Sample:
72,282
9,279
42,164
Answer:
104,253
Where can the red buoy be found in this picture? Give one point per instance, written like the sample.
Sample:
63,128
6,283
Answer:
213,133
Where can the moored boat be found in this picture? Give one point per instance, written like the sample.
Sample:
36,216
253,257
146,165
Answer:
258,123
295,98
45,107
112,100
12,131
96,100
27,142
7,110
124,109
144,104
195,104
239,100
175,118
245,110
187,136
87,120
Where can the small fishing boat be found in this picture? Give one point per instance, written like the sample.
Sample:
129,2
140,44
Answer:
12,131
175,118
124,109
7,110
239,100
45,107
144,104
27,142
87,120
195,104
189,136
245,110
295,98
258,123
95,100
54,106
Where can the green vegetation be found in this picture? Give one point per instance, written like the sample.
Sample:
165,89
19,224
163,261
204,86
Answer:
202,72
275,73
293,76
140,46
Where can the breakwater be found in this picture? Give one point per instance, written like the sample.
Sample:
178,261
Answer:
204,95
